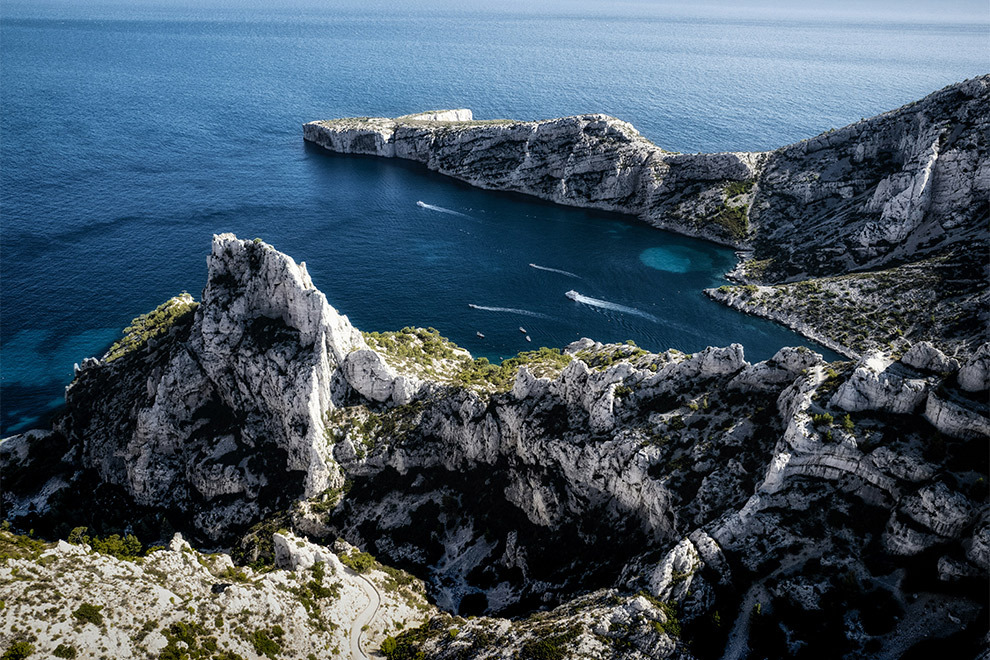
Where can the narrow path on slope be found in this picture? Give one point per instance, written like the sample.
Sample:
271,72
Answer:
365,617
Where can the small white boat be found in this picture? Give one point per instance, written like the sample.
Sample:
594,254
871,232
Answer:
572,294
480,335
522,329
528,339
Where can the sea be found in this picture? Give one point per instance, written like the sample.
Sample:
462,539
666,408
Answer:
131,132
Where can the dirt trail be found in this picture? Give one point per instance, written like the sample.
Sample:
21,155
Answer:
365,617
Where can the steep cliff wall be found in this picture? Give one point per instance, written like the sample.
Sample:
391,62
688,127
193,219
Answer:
592,161
905,184
825,494
901,197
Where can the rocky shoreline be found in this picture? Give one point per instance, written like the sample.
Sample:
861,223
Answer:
906,187
600,501
592,501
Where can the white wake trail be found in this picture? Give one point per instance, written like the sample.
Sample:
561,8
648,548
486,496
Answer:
604,304
555,270
440,209
509,310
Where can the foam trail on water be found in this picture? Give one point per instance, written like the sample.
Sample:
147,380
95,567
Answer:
555,270
604,304
509,310
440,209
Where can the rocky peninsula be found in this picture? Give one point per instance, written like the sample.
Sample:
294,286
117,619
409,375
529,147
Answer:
869,237
599,501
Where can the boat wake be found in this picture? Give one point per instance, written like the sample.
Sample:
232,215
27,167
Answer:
509,310
555,270
604,304
440,209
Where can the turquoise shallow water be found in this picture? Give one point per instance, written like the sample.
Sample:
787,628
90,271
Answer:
132,132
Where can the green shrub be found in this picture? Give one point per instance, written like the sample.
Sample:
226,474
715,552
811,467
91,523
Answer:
14,546
359,562
65,651
268,642
739,188
847,423
17,650
127,547
824,419
89,613
235,574
549,647
189,640
153,324
734,219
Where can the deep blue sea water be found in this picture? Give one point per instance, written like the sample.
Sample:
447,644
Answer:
130,133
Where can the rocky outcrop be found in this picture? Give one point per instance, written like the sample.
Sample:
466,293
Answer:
177,601
926,357
956,416
874,385
639,498
903,185
927,518
974,376
592,161
232,400
895,204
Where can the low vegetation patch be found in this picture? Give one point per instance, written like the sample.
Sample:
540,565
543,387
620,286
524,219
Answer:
89,613
425,353
17,546
737,188
357,561
153,324
734,219
939,300
268,642
17,651
126,547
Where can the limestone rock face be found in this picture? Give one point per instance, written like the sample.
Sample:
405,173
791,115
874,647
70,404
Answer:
956,417
926,357
974,376
593,161
251,376
293,553
936,513
205,592
716,484
368,373
786,365
905,184
875,386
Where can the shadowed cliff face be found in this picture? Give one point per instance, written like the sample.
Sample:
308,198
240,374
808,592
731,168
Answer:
707,482
894,188
902,185
221,416
896,204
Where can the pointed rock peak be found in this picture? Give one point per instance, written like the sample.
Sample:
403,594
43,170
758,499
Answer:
251,279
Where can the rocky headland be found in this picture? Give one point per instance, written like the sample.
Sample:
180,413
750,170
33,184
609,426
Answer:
598,501
868,237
